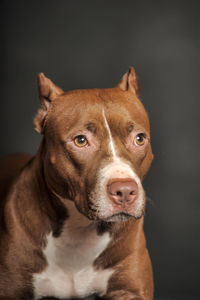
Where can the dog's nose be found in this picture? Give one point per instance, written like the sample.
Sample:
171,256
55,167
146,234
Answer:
122,191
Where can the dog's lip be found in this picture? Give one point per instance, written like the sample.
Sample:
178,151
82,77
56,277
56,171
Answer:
120,216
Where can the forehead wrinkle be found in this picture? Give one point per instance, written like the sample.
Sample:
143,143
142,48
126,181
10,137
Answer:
91,127
130,127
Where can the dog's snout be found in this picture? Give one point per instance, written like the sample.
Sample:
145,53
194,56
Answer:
121,191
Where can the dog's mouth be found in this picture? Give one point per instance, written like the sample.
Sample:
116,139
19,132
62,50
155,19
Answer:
123,215
117,217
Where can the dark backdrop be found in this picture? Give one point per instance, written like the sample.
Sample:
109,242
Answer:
81,44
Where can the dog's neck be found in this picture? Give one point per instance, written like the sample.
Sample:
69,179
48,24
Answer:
36,207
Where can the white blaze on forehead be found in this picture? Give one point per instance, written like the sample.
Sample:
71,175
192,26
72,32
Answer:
112,145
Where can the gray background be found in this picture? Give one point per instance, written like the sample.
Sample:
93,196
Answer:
81,44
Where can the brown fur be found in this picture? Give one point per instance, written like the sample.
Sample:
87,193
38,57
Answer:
31,205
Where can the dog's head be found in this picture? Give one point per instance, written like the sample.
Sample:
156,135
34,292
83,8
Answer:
96,147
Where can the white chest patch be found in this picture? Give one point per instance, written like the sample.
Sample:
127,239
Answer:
70,257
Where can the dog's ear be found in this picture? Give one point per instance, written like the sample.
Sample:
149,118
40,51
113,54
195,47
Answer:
129,81
48,91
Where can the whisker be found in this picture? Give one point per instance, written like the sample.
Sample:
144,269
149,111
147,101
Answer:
149,200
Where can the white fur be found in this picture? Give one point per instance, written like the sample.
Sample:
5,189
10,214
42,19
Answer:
112,145
70,257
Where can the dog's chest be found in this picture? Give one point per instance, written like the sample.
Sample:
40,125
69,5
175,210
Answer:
70,271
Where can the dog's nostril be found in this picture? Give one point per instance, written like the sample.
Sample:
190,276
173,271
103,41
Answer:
132,193
119,193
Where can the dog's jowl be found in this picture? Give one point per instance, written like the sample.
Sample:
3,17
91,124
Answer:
71,219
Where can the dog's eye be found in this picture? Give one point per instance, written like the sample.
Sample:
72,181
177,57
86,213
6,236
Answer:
80,141
139,139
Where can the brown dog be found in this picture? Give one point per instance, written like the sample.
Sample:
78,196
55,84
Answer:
72,219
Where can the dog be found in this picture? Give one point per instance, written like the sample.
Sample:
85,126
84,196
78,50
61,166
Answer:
71,221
